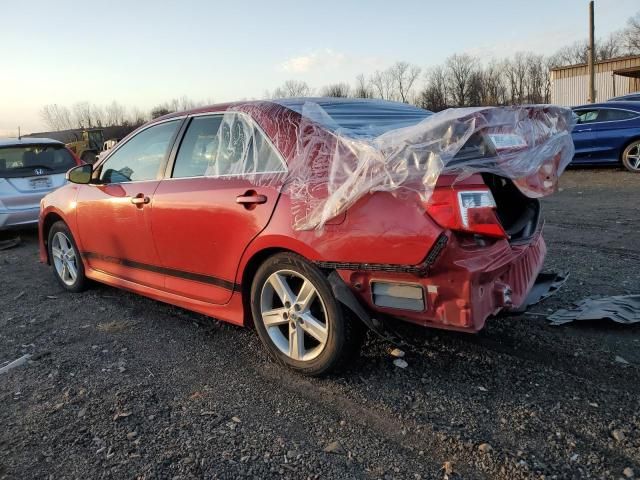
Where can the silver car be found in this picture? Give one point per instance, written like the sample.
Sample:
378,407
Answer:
29,169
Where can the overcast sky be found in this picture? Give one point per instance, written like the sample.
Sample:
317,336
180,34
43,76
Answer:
141,53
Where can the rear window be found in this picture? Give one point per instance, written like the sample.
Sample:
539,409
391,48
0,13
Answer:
34,160
612,115
356,117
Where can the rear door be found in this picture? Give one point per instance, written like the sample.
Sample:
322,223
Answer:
614,129
223,187
114,211
584,137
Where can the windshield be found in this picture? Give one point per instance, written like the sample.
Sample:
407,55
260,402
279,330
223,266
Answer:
95,140
34,160
356,117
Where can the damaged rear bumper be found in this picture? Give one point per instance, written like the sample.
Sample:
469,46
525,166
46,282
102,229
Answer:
468,283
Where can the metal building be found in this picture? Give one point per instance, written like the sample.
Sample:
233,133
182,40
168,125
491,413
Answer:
617,76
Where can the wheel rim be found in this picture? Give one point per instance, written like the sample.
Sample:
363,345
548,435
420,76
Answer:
633,156
65,260
294,315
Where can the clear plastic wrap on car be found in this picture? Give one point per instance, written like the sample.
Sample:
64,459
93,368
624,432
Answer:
335,157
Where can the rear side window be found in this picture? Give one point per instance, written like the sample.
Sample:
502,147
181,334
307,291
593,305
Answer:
141,157
226,145
32,160
611,115
587,116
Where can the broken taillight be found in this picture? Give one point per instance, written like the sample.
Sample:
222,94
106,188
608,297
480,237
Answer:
471,210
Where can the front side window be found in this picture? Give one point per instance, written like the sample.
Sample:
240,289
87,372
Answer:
612,115
587,116
226,145
23,161
141,157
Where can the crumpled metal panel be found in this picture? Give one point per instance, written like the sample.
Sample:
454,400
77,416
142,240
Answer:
621,309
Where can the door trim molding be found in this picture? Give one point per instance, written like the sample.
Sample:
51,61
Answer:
172,272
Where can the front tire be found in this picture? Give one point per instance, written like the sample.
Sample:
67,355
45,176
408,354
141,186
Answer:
298,319
65,258
631,157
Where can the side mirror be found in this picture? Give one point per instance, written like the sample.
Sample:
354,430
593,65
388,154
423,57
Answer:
80,174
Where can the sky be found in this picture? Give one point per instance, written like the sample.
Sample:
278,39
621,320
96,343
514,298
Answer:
145,52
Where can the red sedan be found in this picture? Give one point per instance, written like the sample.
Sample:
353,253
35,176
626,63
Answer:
274,213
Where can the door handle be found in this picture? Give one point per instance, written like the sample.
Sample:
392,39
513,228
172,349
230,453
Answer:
251,198
140,199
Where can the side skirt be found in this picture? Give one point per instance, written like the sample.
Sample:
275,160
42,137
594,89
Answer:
231,312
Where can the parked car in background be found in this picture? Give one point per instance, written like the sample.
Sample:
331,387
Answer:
608,133
629,97
29,169
175,212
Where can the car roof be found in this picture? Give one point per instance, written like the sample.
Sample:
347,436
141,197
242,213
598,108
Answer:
622,97
27,141
628,105
357,116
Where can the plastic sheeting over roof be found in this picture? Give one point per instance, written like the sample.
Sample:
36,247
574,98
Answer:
346,149
356,117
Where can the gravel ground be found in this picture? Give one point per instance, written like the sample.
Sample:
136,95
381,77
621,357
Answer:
120,386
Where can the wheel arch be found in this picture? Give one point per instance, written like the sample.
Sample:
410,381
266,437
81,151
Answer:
249,271
49,219
625,145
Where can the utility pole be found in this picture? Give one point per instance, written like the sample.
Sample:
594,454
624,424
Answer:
592,87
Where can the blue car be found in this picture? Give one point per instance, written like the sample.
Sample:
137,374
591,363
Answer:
608,133
629,97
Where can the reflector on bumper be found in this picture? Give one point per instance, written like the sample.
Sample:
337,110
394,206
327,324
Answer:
398,295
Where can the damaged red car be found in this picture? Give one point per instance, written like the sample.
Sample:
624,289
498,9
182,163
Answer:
314,218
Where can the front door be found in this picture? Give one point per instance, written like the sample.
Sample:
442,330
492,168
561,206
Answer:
224,185
584,137
114,211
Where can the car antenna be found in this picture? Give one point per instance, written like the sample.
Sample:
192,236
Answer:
19,135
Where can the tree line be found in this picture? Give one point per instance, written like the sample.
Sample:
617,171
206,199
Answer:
462,80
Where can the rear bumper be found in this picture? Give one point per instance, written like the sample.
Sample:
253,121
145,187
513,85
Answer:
19,218
464,287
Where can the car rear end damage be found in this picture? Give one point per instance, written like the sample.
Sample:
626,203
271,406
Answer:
465,285
476,172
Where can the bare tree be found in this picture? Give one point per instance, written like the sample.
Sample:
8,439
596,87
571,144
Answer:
611,47
56,117
434,95
114,114
160,110
82,115
336,90
404,76
460,70
494,88
362,89
631,35
292,88
382,83
136,118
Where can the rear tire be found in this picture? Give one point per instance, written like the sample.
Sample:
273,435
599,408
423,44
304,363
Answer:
631,157
298,319
65,259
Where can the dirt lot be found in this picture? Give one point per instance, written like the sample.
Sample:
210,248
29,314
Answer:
124,387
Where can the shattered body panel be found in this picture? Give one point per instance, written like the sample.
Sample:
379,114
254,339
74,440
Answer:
465,285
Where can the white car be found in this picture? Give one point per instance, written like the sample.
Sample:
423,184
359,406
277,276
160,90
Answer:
29,169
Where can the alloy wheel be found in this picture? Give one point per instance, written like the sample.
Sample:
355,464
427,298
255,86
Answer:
65,260
294,315
632,157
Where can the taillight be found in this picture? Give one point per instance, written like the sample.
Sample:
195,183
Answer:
468,210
